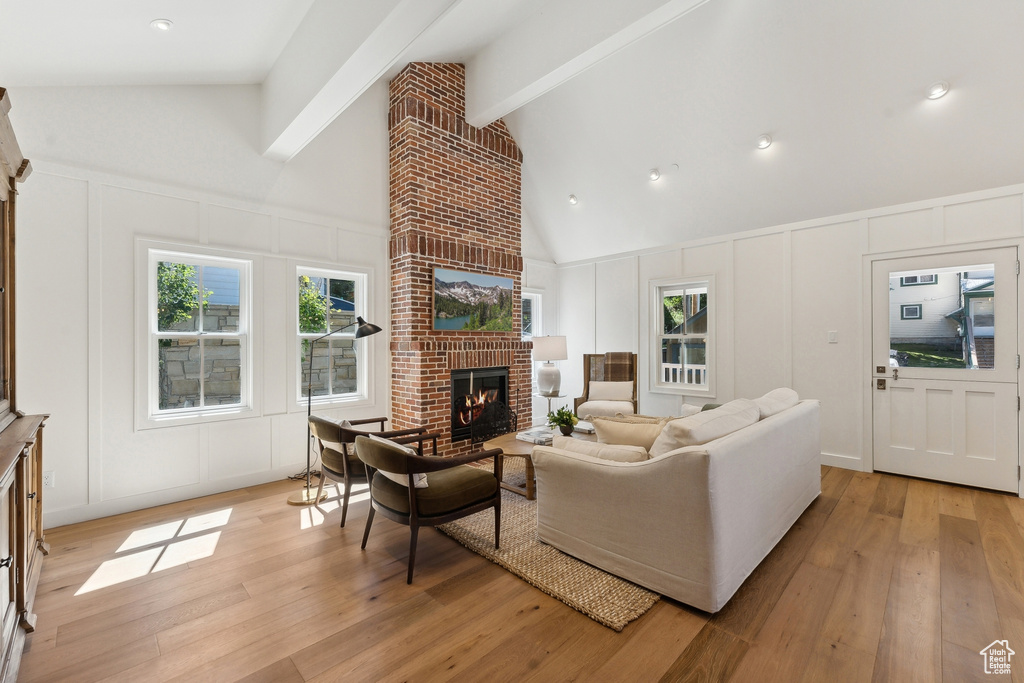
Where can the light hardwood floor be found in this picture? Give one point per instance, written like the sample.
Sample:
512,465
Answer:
883,578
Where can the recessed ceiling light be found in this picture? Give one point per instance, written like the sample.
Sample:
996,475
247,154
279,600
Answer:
162,24
654,174
573,199
937,90
764,142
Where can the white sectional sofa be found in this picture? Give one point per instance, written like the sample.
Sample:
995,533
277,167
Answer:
692,523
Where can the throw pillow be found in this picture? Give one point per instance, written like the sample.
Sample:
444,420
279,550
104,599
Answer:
687,410
613,431
705,426
636,419
776,400
600,450
419,479
610,391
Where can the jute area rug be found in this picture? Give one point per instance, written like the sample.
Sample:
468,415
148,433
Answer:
604,598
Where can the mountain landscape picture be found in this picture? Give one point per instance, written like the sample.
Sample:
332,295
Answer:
472,302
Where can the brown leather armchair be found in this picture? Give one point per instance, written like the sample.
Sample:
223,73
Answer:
453,488
335,442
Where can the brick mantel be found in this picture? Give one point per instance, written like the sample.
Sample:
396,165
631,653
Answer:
455,193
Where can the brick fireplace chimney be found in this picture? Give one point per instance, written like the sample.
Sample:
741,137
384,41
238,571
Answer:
455,194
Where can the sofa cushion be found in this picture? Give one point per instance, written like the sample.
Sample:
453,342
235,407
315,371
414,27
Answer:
619,431
610,391
604,451
603,409
776,400
705,426
419,479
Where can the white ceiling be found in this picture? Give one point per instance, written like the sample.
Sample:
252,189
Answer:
839,86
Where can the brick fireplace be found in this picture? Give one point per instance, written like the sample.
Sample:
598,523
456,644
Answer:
455,195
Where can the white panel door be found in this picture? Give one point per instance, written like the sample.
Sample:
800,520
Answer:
944,355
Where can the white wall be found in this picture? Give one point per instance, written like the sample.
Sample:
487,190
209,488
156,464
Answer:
113,165
779,291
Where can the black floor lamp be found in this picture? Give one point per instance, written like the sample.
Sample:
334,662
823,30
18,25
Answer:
306,496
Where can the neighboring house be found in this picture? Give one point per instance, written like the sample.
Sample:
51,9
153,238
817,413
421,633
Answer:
976,319
918,308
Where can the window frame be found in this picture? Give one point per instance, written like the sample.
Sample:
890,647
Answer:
363,279
536,298
657,384
148,412
903,312
934,280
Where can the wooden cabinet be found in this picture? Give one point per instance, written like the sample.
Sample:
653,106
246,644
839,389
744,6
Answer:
22,545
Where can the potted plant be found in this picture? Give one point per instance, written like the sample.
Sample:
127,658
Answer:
564,419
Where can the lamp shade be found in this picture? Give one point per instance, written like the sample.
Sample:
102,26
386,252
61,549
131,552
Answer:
365,329
549,348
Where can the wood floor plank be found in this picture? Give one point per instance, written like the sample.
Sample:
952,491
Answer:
290,597
1003,544
891,496
663,633
831,661
910,640
780,651
281,671
855,616
955,501
95,667
831,547
969,617
920,525
712,656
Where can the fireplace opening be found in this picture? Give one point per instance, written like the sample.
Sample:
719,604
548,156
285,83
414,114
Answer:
480,404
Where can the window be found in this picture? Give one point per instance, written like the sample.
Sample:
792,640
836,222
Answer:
682,351
910,312
531,315
912,280
330,301
199,320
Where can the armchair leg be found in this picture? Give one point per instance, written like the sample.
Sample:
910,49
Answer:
344,499
414,532
320,487
497,521
366,532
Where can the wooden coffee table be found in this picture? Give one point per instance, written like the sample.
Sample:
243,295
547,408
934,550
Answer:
513,447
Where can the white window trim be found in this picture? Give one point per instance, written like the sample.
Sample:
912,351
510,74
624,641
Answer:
710,356
536,296
147,253
364,394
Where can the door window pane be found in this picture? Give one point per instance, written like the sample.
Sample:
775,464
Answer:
948,324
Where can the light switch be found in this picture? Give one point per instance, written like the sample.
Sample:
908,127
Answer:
833,336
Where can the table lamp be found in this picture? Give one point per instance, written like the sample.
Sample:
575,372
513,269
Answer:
549,349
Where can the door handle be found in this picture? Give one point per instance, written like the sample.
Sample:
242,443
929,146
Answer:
895,374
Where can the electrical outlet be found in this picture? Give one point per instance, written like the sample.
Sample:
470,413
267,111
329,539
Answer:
48,479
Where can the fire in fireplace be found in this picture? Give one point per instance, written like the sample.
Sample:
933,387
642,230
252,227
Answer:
480,404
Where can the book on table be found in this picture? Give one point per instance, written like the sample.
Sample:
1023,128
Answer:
541,436
583,427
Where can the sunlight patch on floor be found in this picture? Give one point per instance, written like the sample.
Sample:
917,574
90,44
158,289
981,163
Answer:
314,515
175,543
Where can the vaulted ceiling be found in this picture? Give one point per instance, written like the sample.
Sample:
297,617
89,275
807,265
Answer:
599,92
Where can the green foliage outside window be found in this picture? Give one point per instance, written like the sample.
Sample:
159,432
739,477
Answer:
313,307
177,293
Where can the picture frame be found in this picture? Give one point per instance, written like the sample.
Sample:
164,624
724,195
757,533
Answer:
472,302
